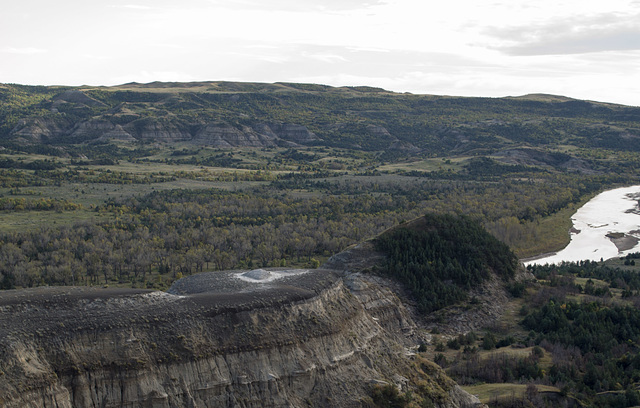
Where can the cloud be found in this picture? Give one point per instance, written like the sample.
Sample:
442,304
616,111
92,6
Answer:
577,35
23,50
579,44
299,5
133,7
328,58
96,57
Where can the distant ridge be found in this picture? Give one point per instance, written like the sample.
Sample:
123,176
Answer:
225,114
543,97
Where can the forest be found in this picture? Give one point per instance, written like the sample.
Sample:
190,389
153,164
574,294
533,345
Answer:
340,165
574,341
146,241
441,257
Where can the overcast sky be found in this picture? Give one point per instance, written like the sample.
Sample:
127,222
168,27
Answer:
578,48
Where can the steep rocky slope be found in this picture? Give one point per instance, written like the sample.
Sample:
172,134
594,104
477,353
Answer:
168,130
489,298
315,338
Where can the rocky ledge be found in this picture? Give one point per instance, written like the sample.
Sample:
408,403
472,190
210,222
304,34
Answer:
265,338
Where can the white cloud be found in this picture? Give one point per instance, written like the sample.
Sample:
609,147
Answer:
132,7
24,50
298,5
575,35
328,58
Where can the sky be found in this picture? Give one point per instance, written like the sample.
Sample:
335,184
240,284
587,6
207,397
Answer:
582,49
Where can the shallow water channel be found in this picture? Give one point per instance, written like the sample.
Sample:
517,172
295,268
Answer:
607,226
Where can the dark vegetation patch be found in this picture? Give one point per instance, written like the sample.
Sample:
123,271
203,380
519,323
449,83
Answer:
578,333
441,257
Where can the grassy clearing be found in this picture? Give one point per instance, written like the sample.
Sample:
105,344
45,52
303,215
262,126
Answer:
555,230
427,165
31,220
148,167
545,362
489,392
90,195
29,158
596,282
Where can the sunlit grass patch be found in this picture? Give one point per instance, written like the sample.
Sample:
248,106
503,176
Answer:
489,392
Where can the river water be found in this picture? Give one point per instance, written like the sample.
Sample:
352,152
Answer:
614,213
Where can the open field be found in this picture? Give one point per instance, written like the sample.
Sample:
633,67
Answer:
89,194
32,220
492,392
427,165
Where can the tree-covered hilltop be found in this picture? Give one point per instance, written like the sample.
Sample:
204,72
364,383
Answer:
440,257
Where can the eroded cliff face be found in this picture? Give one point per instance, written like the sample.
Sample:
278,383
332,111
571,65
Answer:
131,127
318,338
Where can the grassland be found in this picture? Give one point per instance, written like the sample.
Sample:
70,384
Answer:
488,393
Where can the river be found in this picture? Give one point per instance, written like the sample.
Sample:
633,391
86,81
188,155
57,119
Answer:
605,227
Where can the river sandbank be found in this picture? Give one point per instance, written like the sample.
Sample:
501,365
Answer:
605,227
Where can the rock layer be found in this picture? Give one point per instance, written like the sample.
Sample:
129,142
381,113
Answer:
132,128
322,338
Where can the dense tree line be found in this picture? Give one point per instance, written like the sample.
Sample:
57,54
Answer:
173,233
588,347
40,204
596,347
46,164
616,277
186,231
441,257
594,340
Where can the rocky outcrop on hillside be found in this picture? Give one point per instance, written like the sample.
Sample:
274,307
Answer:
159,130
111,127
490,297
75,97
259,339
224,135
75,117
535,157
297,134
99,130
330,337
39,130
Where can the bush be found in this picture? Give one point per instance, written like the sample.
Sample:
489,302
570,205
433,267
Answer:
537,352
388,396
454,344
516,289
489,341
507,341
440,360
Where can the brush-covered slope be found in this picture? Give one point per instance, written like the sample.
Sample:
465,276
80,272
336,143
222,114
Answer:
228,114
452,273
440,257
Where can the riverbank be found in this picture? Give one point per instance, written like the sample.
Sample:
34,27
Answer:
605,227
